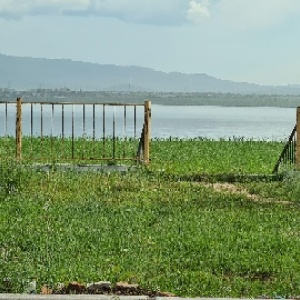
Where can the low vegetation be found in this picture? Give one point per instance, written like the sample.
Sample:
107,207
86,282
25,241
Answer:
160,226
202,156
162,98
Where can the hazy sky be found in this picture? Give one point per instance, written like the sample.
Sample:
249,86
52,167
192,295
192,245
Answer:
242,40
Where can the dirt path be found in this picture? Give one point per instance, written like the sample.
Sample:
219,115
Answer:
233,189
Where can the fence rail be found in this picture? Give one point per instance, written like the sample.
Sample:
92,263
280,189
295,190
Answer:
78,131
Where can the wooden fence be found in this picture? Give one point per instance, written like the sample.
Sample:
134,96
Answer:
79,131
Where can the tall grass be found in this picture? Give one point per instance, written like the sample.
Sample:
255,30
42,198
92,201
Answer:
143,227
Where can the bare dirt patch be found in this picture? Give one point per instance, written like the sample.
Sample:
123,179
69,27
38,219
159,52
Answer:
233,189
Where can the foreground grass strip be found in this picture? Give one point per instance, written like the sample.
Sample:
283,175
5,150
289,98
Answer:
179,237
184,158
193,157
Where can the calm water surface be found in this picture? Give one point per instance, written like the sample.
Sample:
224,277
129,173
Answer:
214,122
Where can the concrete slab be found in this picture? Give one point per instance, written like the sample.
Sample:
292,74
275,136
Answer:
69,297
100,168
104,297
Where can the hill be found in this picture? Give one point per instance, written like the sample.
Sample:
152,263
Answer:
24,73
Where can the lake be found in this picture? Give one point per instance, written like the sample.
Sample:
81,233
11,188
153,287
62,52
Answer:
213,122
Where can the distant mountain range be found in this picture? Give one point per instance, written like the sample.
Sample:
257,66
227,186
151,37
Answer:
24,73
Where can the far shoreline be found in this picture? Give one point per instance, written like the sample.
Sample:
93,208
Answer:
159,98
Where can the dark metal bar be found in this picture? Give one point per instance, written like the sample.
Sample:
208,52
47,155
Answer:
42,128
19,129
31,130
62,130
6,119
294,149
63,121
6,133
124,131
94,129
294,144
282,157
134,122
83,120
31,120
103,132
52,127
52,120
94,122
291,152
42,131
114,133
140,145
73,133
83,131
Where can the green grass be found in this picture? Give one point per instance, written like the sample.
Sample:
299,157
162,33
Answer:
53,149
286,190
174,235
202,156
184,157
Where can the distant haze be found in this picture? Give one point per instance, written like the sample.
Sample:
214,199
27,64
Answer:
31,73
255,41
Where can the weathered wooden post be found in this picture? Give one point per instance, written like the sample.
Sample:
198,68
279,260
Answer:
147,132
19,129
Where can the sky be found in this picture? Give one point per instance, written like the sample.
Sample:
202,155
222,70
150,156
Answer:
256,41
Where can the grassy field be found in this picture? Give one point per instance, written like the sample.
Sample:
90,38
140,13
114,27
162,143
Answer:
182,157
158,227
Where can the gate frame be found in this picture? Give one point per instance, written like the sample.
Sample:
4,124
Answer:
291,150
144,140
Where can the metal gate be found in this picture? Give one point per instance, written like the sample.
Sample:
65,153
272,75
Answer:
81,132
289,158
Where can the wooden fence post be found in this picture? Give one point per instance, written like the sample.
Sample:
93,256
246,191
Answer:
147,131
19,129
298,139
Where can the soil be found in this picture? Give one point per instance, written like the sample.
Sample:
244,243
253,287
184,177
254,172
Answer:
233,189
